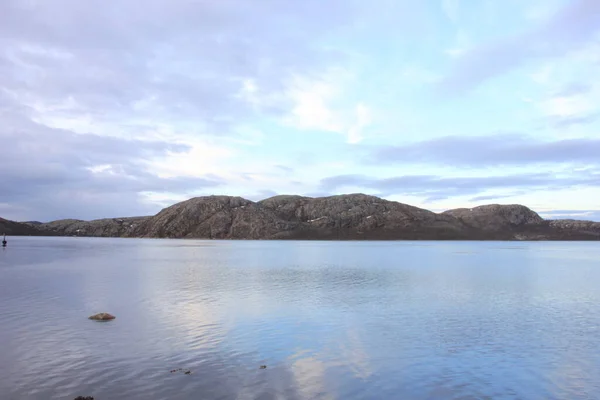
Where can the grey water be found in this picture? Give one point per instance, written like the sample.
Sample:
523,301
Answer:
330,320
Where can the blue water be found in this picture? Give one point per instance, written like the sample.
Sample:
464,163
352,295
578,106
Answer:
330,320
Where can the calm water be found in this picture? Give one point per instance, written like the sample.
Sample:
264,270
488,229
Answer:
353,320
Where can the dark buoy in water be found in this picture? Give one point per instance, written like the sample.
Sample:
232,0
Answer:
4,242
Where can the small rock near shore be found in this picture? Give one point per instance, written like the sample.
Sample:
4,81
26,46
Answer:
102,317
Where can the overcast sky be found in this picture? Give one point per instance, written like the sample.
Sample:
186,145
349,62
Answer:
121,108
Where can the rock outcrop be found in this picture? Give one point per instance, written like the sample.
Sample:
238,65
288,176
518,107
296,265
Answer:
108,227
343,217
102,317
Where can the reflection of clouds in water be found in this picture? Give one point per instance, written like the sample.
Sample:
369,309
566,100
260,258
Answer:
351,353
310,376
184,300
422,322
314,371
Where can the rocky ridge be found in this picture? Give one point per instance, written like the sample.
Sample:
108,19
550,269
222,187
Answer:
342,217
107,227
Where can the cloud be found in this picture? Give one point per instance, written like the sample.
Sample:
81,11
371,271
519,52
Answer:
363,119
490,151
321,104
53,173
573,104
116,108
104,107
284,168
157,62
435,188
121,93
566,122
493,197
569,29
573,89
586,215
206,67
567,106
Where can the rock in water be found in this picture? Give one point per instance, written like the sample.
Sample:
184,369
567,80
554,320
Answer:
102,317
84,398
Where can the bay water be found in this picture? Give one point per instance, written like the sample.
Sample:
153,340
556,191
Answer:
329,320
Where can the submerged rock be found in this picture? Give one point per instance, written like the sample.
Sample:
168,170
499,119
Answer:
263,367
187,372
102,317
84,398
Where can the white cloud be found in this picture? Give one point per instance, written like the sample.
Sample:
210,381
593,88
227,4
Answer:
312,109
261,100
321,105
202,158
569,85
98,169
363,119
567,106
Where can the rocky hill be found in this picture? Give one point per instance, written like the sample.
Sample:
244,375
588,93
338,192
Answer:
16,228
358,216
495,217
108,227
215,217
353,216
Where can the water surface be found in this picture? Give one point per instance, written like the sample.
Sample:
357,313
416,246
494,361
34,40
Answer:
331,320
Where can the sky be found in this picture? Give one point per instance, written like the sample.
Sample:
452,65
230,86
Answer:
112,109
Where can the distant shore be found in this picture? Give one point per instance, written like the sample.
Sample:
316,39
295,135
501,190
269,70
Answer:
343,217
